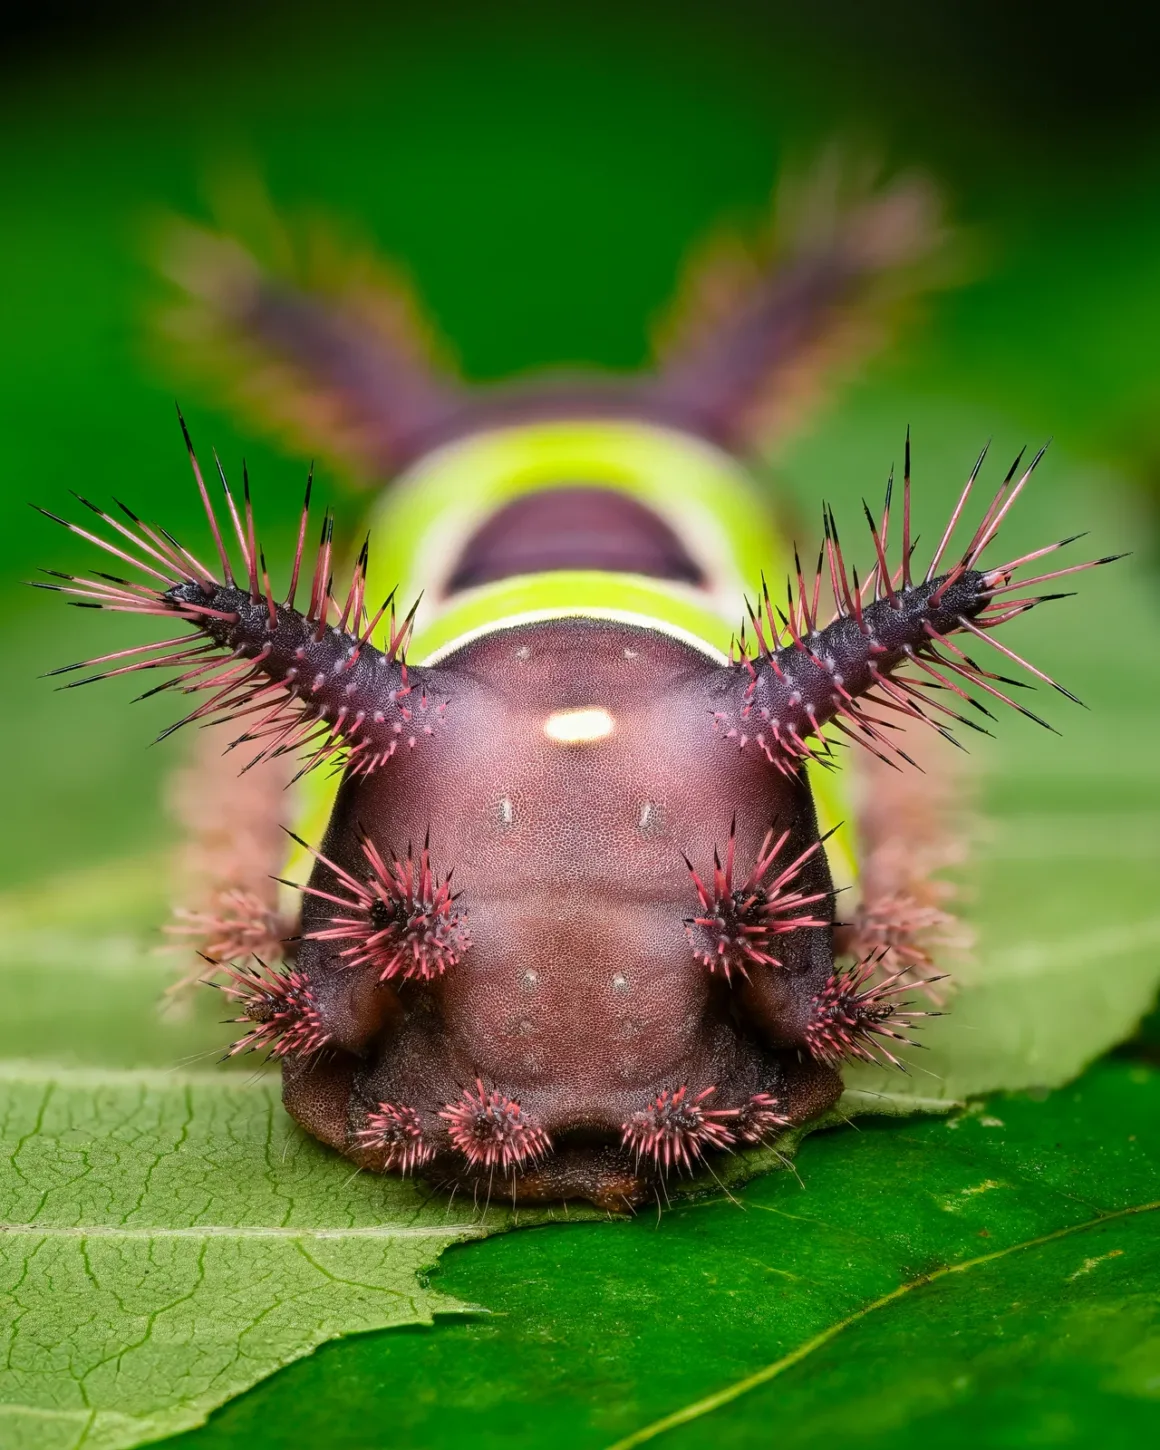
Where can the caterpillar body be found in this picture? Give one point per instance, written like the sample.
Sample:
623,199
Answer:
561,905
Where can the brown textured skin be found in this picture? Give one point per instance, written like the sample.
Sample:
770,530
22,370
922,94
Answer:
580,996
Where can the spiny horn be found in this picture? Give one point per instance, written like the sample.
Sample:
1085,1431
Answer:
887,656
298,680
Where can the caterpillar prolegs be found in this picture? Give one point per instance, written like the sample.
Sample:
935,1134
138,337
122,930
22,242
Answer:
568,919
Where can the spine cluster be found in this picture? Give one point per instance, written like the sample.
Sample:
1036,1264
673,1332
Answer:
300,682
891,652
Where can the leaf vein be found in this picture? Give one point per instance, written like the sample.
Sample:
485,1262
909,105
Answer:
710,1403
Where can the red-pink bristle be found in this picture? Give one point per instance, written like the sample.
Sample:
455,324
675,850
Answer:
281,1004
251,547
737,924
907,547
879,575
320,586
675,1130
223,554
491,1130
252,665
759,1119
789,692
957,512
401,920
352,609
854,1017
300,543
395,1130
239,532
268,595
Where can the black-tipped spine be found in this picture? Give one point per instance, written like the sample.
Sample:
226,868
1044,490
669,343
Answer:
788,696
295,678
803,679
306,684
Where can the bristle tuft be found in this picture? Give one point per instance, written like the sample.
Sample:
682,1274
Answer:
676,1130
401,920
759,1120
737,924
283,1006
240,924
394,1130
492,1131
853,1017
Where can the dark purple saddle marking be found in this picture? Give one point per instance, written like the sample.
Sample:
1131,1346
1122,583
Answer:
576,527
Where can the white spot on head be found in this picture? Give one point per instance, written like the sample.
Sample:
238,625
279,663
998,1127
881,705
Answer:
506,812
523,653
530,980
580,726
620,983
629,654
650,822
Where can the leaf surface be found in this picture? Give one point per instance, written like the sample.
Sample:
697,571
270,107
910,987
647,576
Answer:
985,1278
166,1241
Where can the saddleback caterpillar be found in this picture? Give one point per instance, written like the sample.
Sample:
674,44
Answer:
565,836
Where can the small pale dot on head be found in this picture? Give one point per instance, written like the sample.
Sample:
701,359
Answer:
582,726
523,653
620,983
530,980
651,821
505,812
629,654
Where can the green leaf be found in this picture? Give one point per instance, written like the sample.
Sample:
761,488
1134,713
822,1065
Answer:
166,1242
914,1284
167,1237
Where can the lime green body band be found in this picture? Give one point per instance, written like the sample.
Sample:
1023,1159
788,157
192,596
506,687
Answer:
420,524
